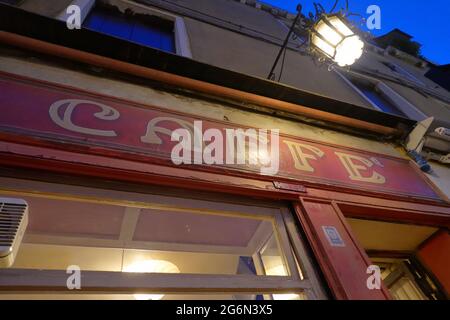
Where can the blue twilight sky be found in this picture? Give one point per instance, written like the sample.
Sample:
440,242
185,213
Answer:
428,21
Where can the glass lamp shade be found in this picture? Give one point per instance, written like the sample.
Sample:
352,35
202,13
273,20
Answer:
333,38
151,266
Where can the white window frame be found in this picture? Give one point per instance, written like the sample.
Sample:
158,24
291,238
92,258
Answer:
406,74
182,43
391,95
94,282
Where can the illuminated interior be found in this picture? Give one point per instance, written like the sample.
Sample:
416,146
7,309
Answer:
103,237
384,241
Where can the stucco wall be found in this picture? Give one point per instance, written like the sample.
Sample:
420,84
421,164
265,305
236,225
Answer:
430,106
441,177
229,34
244,54
45,7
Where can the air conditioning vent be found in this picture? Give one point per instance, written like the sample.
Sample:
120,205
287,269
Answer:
13,223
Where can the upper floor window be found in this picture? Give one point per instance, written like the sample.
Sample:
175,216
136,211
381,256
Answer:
408,75
14,2
147,30
377,97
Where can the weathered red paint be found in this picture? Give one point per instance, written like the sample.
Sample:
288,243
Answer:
345,265
86,165
435,255
31,140
25,103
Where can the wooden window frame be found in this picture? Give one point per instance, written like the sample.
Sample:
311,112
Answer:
94,282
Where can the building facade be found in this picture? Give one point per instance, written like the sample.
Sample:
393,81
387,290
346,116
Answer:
87,140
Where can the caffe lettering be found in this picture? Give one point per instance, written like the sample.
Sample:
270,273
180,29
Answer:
305,157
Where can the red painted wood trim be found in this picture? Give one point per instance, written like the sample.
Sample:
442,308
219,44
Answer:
397,215
105,97
117,154
319,253
63,161
14,135
380,202
341,283
361,250
434,255
155,174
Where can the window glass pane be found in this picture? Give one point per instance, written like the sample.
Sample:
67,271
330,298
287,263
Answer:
378,99
152,36
403,72
116,25
400,282
146,30
272,261
10,1
103,237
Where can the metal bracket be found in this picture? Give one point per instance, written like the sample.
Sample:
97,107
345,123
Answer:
289,187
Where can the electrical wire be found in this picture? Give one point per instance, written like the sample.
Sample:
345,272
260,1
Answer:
209,16
317,9
355,15
336,3
256,31
334,6
322,9
282,65
165,5
284,58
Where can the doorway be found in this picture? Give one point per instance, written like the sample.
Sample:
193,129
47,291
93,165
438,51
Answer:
394,248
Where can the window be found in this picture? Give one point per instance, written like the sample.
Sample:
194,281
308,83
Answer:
399,279
381,96
146,30
13,2
403,72
393,248
373,93
232,250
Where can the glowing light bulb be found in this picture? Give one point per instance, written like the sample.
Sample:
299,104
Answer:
151,266
337,41
279,270
350,50
286,296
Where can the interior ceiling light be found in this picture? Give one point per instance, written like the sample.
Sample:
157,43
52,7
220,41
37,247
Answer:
279,270
151,266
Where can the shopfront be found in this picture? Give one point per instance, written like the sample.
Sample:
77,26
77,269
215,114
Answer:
104,195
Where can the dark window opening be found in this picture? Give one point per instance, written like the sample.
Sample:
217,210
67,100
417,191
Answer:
399,70
407,279
13,2
150,31
377,98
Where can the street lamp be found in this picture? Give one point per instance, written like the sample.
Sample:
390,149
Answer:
331,36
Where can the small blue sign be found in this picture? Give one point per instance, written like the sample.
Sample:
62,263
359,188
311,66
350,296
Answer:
333,236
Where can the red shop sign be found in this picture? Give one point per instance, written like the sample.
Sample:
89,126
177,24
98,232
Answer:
68,115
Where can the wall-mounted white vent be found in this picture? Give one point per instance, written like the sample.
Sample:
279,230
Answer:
13,223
